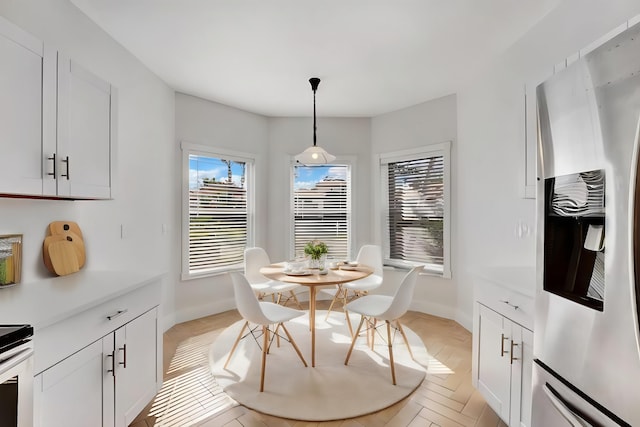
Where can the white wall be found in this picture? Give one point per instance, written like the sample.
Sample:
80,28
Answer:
145,164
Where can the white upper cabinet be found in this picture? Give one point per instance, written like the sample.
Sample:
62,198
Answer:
21,70
57,122
82,151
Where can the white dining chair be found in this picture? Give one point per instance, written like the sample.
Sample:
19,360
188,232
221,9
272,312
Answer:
369,255
280,292
264,315
389,309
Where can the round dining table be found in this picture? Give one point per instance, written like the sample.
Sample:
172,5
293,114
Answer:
314,280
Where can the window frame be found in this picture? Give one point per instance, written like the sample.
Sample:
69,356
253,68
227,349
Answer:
348,161
381,161
188,149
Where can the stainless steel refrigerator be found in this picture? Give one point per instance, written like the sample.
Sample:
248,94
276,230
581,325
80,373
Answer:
586,338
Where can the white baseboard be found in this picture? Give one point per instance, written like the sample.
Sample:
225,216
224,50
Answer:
196,312
464,319
433,309
167,321
208,309
444,311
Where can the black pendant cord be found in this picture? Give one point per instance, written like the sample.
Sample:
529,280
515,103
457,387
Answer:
314,86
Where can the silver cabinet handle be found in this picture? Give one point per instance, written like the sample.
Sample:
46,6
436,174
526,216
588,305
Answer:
515,307
512,358
113,364
502,352
124,359
116,314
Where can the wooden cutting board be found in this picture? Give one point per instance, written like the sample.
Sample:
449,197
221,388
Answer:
62,255
63,227
63,249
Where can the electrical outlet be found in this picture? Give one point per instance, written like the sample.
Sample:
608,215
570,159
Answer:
522,230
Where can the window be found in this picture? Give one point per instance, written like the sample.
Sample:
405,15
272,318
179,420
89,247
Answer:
321,204
217,203
415,195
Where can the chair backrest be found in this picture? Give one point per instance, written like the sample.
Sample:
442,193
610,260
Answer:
246,301
254,260
403,296
371,255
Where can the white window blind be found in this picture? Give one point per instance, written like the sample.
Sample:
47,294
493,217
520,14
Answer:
322,208
218,213
417,226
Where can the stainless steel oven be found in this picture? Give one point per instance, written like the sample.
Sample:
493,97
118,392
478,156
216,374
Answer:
16,376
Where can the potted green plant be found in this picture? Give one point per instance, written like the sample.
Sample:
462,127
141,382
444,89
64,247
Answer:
317,251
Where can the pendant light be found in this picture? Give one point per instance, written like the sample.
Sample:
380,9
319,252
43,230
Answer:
314,155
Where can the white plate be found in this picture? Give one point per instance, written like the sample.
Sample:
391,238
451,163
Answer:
349,267
298,273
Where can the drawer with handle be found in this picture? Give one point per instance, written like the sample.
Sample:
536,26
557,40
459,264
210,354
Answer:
61,339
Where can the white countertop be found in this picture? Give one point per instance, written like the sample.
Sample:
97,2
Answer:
521,279
47,301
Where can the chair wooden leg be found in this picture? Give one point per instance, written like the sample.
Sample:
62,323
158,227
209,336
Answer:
373,334
390,344
353,341
265,343
275,331
293,343
295,298
333,301
345,297
406,341
346,314
235,344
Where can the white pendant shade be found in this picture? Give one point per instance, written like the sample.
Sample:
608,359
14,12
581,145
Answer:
314,155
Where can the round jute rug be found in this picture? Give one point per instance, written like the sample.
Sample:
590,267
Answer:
330,390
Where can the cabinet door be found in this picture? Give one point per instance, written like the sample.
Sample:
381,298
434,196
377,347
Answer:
521,376
70,393
494,370
21,85
136,366
84,132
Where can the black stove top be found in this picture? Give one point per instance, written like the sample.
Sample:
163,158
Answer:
13,335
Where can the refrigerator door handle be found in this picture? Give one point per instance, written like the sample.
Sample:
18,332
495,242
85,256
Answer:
566,409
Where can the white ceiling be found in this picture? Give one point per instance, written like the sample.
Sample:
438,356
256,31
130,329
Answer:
372,56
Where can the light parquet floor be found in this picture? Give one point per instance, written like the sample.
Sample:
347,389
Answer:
190,396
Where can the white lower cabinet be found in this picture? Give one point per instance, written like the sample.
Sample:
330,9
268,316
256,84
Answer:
107,383
68,394
504,358
502,362
135,367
